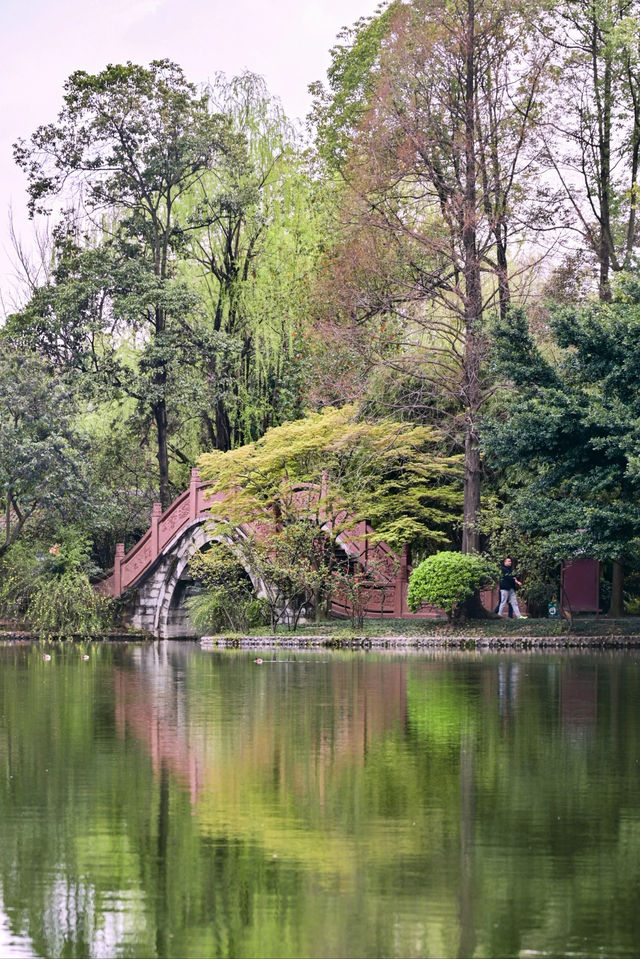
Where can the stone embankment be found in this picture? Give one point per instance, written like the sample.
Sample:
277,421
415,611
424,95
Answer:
485,644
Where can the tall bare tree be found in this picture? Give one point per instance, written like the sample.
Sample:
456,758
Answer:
594,132
440,153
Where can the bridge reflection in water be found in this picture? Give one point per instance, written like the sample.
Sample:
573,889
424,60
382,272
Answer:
176,727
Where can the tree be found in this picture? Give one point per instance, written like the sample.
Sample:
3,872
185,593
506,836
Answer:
43,475
128,143
568,443
393,474
292,498
352,79
594,131
435,161
247,244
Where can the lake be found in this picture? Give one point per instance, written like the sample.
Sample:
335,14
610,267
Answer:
163,799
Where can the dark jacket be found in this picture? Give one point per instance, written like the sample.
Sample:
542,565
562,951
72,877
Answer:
508,580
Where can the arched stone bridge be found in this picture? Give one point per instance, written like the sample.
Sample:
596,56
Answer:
150,575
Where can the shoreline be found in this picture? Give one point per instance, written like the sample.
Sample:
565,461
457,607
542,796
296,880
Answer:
440,639
424,642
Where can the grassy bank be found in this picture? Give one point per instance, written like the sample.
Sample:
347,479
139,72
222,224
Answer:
488,628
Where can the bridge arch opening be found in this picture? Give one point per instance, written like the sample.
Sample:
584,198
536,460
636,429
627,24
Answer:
215,593
161,608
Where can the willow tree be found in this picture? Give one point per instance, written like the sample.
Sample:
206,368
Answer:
247,245
440,152
128,143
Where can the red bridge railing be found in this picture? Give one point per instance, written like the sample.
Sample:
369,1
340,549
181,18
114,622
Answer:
129,568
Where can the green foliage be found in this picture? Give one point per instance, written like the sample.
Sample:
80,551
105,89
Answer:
43,472
352,77
186,300
134,139
304,484
211,612
538,570
68,604
447,580
248,249
567,443
19,568
132,136
228,600
390,472
48,587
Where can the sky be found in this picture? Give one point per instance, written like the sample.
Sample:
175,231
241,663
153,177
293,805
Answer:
43,41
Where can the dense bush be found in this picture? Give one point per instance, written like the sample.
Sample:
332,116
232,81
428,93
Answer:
228,600
211,612
447,580
48,587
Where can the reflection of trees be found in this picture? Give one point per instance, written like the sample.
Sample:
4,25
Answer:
333,713
467,942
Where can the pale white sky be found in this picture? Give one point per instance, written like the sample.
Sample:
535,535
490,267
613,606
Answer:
43,41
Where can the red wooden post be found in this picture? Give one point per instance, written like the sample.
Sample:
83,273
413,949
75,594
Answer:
156,513
402,578
117,569
193,493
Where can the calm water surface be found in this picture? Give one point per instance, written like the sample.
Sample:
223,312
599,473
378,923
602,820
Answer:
165,800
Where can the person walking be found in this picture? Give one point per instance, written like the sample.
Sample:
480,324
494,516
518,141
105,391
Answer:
508,584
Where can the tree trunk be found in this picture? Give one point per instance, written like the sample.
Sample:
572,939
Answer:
472,480
159,408
160,416
604,103
223,427
617,585
472,306
504,294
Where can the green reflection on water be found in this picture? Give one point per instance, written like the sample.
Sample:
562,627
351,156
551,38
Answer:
164,800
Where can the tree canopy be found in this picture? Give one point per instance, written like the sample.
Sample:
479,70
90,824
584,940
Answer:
567,441
393,474
43,472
